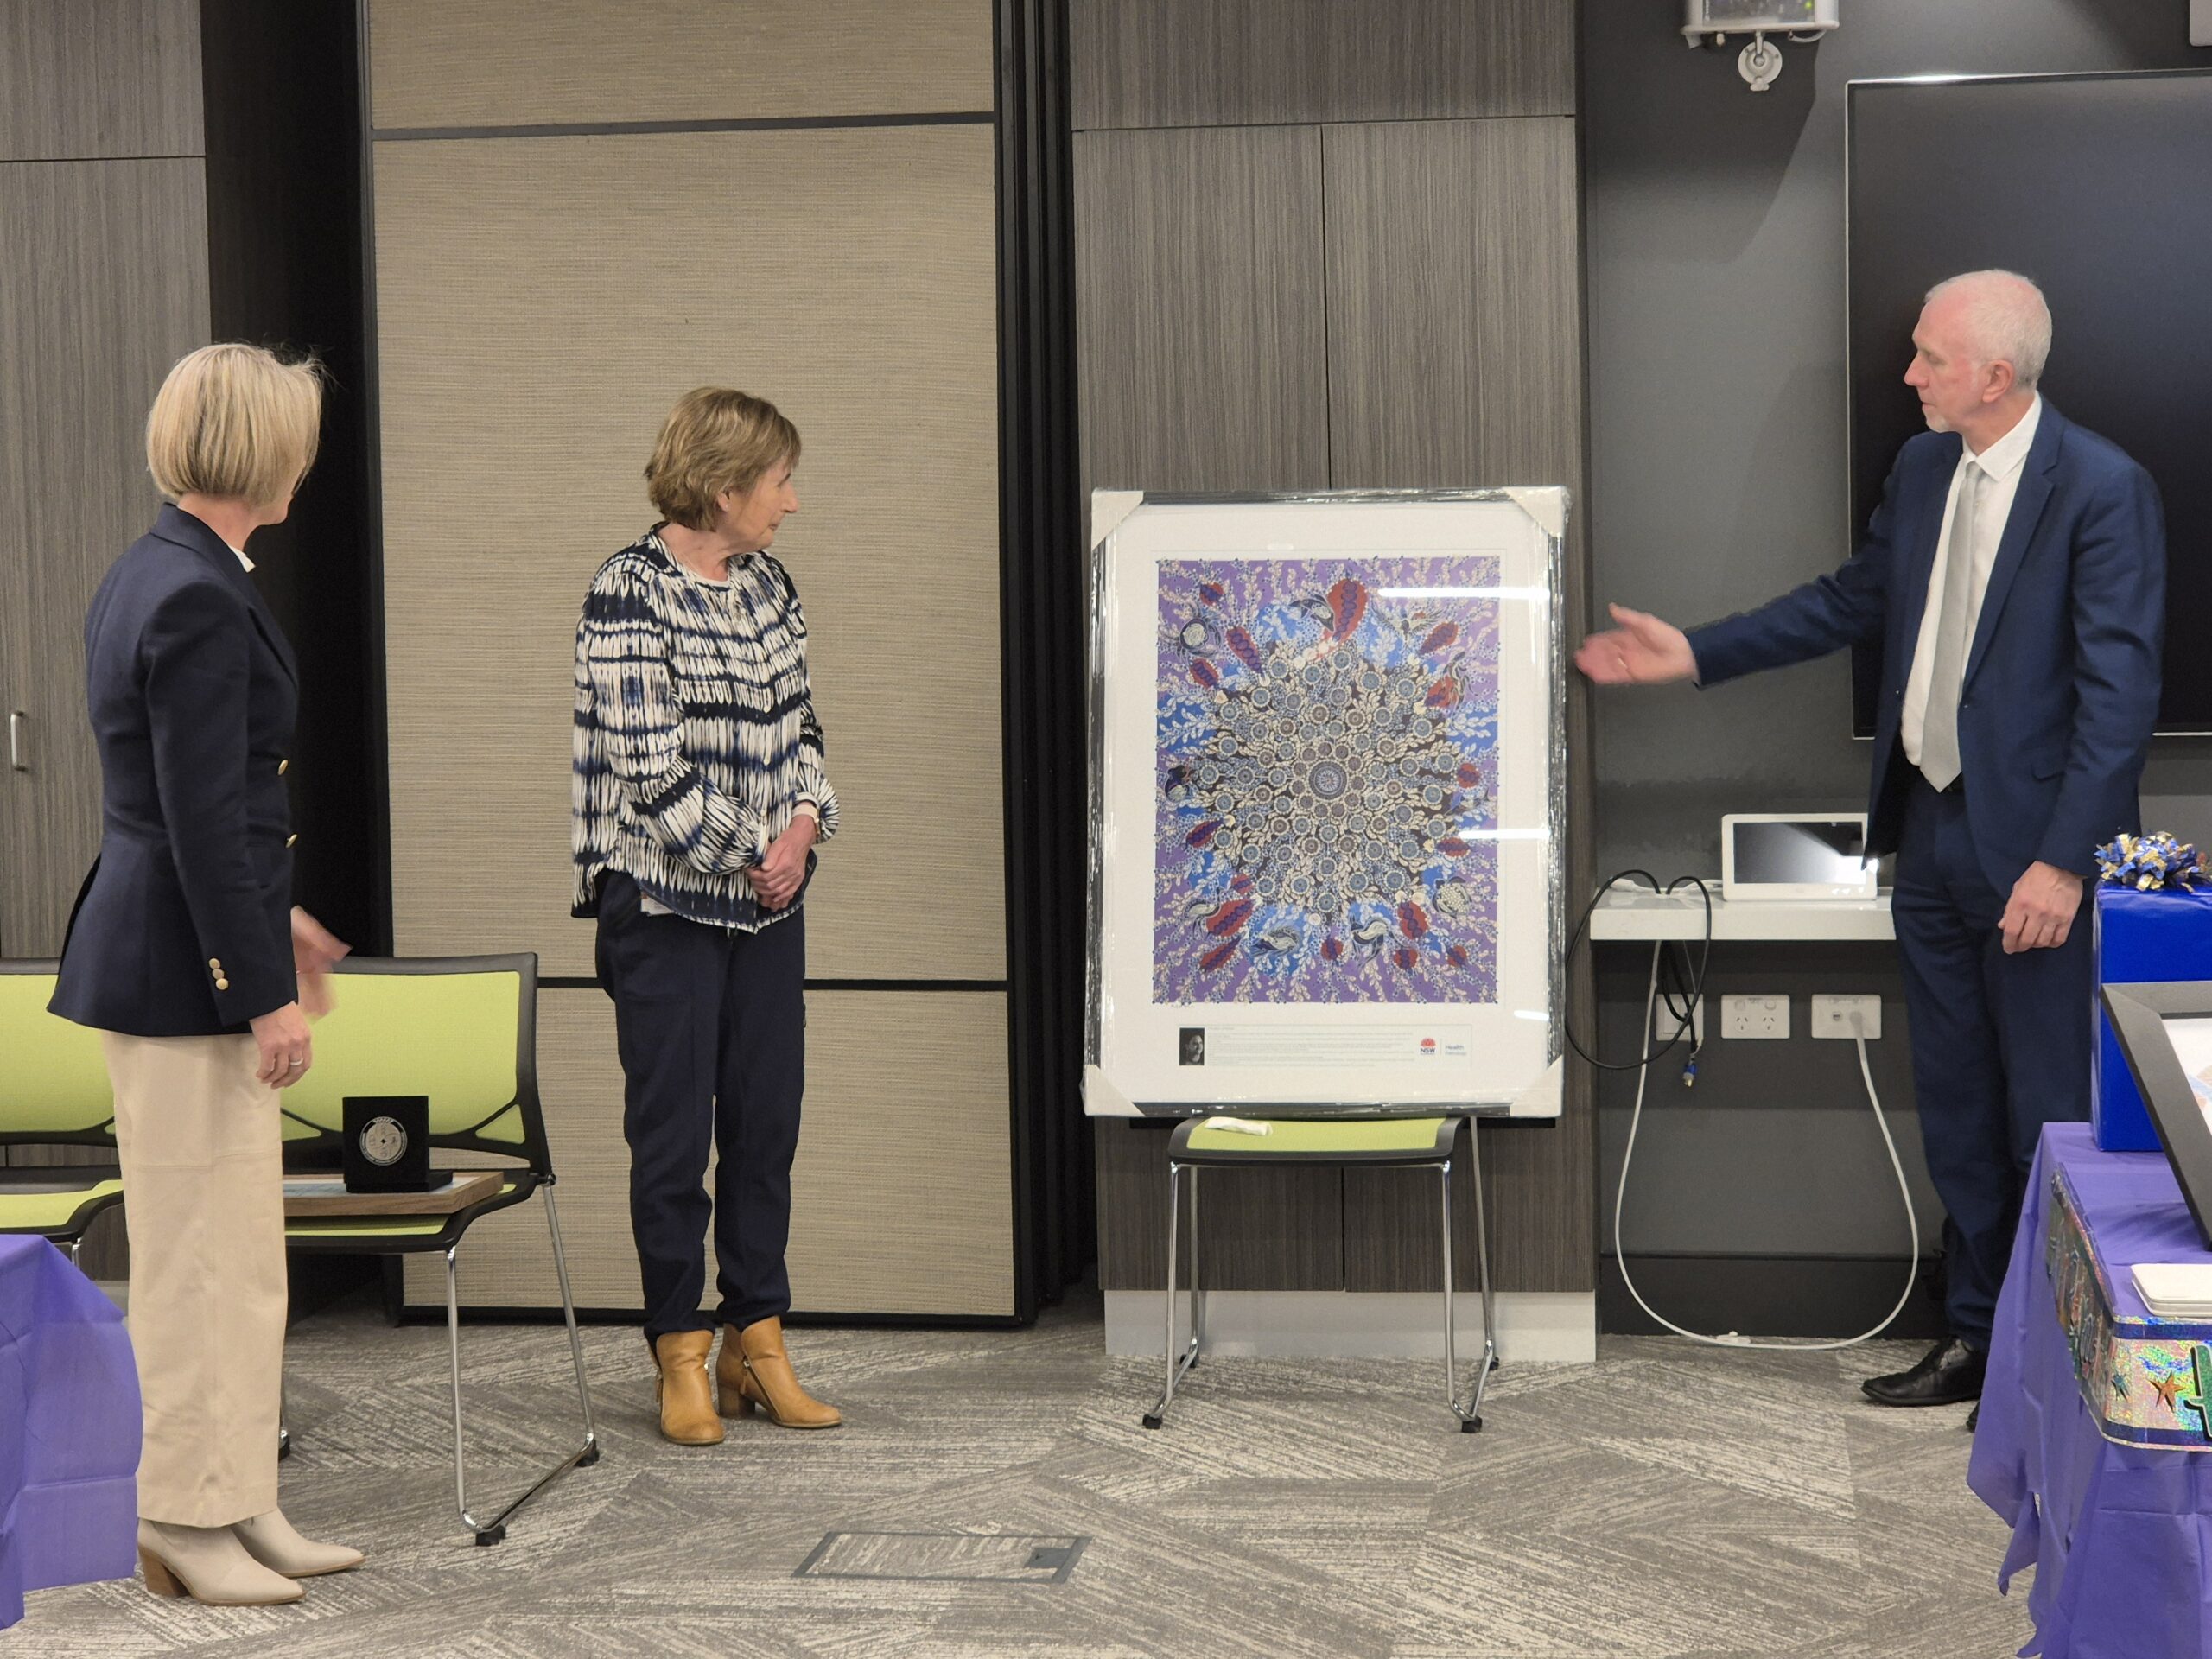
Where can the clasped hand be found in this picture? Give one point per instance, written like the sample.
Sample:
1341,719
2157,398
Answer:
777,878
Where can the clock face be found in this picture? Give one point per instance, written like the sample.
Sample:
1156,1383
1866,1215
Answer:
383,1140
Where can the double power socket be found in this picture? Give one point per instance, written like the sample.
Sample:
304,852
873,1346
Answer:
1766,1019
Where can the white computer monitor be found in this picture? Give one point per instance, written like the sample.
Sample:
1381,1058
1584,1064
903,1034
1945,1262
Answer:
1798,855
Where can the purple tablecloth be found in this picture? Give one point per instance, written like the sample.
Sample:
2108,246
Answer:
2120,1536
69,1428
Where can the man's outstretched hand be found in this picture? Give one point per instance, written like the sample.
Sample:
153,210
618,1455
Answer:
1641,651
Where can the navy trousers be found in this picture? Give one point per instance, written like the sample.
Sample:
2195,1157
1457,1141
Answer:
711,1026
2000,1045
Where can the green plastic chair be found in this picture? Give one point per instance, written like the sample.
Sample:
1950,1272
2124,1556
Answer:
53,1092
1225,1141
463,1031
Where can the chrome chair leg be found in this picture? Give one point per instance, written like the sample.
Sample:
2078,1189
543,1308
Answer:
1471,1417
590,1454
1451,1335
283,1422
1197,1291
1158,1414
495,1529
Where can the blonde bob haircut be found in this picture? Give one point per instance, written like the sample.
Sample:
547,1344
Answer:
714,440
236,422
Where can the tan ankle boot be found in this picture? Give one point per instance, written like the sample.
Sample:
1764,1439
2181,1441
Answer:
755,1370
276,1543
687,1405
208,1564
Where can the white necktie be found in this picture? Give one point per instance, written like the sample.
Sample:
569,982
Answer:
1939,733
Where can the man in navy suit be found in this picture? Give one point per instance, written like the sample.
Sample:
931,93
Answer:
2014,577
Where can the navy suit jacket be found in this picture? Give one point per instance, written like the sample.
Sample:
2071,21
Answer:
184,926
2062,684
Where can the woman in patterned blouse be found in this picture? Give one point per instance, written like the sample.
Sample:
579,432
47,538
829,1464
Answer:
699,795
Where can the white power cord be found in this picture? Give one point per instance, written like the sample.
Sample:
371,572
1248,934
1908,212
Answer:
1628,1154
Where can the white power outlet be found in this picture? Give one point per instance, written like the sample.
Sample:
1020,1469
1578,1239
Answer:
1759,1017
1847,1016
1665,1027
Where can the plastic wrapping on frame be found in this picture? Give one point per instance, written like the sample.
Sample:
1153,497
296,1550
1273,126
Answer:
1547,509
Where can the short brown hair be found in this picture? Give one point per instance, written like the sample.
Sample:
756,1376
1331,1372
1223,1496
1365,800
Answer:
713,440
235,421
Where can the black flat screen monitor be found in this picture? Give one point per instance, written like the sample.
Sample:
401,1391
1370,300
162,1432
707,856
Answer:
2099,187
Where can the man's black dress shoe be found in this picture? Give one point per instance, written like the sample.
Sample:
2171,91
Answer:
1950,1374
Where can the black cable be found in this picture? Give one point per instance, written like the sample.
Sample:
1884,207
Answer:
1688,982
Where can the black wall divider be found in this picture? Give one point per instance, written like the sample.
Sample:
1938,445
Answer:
286,263
1041,604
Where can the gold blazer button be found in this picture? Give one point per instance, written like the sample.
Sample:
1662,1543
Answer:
222,984
215,963
289,840
284,765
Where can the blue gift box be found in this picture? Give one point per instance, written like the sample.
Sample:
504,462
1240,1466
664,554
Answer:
2162,935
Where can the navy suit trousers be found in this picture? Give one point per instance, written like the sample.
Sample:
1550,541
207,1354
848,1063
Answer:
2000,1045
711,1026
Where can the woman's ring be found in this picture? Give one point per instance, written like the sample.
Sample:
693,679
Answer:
297,1063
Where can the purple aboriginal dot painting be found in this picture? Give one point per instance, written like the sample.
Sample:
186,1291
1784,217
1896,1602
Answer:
1326,770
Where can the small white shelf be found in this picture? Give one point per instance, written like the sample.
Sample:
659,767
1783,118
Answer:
1632,914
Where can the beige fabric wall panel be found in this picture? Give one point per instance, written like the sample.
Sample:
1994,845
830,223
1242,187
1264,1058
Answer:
902,1199
541,302
902,1196
1199,309
590,60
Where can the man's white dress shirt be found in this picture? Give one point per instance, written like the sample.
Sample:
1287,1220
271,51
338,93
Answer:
1999,467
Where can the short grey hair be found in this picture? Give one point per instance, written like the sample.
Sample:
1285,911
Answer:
2007,318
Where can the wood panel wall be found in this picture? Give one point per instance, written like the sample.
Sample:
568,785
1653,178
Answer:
581,212
104,283
1191,63
1407,167
100,79
1201,281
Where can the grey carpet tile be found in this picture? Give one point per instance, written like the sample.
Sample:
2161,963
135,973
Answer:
1672,1502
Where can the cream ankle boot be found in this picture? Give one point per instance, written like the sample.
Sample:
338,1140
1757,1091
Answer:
270,1540
208,1564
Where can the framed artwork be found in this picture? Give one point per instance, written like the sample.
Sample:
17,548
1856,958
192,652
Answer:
1326,788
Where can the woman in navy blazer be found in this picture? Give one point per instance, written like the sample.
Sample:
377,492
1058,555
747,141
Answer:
186,953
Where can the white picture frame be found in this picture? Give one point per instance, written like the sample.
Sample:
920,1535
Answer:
1391,656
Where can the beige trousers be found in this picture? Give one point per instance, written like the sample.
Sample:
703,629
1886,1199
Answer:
203,1193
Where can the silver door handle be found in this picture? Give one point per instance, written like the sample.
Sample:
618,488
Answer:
16,721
